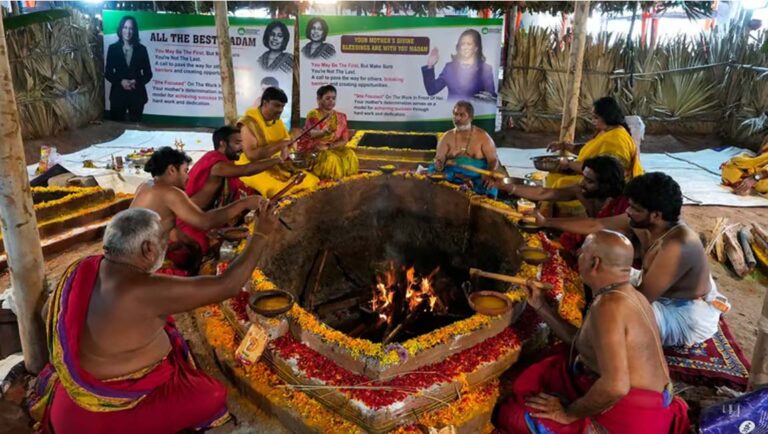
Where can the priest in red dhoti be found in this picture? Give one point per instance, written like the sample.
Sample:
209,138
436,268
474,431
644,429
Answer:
618,381
214,180
117,362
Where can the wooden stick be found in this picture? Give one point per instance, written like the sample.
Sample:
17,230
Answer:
512,213
507,278
311,301
305,132
476,170
292,183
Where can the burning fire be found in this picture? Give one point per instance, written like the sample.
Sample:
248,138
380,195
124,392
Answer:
419,293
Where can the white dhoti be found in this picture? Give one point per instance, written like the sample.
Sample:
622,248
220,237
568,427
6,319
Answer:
688,322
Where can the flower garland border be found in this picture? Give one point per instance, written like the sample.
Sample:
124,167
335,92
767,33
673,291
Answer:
219,334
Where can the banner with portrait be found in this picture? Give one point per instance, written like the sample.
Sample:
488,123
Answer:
164,68
401,73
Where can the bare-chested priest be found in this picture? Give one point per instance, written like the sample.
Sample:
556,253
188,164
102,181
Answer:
117,362
675,274
165,195
619,382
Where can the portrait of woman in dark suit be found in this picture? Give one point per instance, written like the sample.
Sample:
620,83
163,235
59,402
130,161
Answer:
128,69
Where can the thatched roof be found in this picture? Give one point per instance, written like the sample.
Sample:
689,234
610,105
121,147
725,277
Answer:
694,9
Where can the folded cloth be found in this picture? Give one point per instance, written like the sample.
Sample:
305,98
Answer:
689,322
639,412
457,174
168,397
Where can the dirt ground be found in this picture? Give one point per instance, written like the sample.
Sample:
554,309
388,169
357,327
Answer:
746,295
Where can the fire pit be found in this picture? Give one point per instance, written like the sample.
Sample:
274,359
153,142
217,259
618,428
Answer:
388,264
382,333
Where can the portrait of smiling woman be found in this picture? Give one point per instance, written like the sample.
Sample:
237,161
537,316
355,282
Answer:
128,70
276,39
466,76
316,48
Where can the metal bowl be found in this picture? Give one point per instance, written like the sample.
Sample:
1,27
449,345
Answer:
388,169
139,162
259,302
550,163
508,180
303,160
528,227
503,302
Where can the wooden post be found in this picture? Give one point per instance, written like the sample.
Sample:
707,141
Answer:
758,375
575,65
19,224
511,18
225,59
295,76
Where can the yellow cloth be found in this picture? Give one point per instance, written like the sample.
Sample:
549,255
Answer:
336,163
617,143
270,181
742,166
331,163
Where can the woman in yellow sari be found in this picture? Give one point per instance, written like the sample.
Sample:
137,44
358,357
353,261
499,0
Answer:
612,138
745,173
329,138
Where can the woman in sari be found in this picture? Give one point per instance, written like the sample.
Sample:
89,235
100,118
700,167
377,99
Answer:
612,138
329,137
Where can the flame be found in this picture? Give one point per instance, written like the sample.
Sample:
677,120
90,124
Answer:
419,293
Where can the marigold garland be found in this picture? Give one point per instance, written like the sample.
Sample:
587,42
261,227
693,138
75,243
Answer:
220,334
460,411
319,368
72,194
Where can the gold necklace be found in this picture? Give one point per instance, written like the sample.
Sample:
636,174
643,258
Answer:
469,138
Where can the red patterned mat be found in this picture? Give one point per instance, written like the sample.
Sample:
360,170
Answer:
715,362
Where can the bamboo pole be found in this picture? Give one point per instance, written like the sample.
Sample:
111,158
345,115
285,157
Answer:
19,224
225,59
575,66
758,375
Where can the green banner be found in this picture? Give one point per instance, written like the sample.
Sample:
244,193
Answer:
171,73
402,73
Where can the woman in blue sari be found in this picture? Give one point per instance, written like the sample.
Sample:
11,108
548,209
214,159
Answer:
466,145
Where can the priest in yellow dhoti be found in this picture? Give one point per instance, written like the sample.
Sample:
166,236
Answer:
265,136
328,138
612,138
745,173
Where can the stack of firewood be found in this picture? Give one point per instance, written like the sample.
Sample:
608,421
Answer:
743,246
